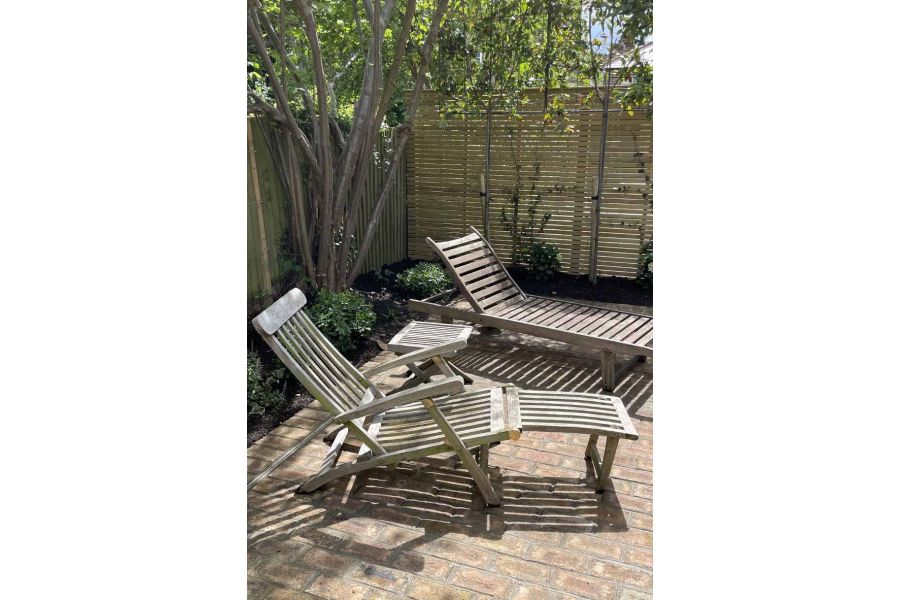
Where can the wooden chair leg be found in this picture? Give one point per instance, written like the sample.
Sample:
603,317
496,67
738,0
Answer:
483,455
609,454
592,443
418,373
608,370
453,440
444,367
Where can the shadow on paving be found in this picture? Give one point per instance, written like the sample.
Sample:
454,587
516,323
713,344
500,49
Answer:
437,496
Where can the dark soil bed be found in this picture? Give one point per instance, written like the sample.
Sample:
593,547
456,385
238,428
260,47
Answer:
617,290
389,302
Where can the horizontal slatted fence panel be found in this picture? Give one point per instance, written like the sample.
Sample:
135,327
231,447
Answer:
553,168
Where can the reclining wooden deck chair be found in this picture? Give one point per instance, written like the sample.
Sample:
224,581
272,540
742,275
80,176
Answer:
431,418
497,301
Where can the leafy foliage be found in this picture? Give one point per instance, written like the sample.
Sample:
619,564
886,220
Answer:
492,50
423,280
639,92
543,260
645,267
265,390
344,317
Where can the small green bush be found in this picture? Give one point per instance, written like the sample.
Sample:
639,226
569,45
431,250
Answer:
645,266
265,391
423,280
543,260
344,317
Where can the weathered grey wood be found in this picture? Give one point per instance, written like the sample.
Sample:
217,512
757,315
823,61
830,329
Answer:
465,376
280,311
460,285
497,301
424,334
592,443
431,418
458,242
290,452
517,326
608,370
444,367
609,454
451,385
415,356
453,440
483,457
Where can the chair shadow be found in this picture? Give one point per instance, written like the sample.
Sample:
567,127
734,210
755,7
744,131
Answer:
535,369
435,495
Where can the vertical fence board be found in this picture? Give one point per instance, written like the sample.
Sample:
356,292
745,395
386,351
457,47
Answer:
275,220
389,244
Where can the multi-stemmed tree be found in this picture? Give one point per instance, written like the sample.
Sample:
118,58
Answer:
299,80
331,75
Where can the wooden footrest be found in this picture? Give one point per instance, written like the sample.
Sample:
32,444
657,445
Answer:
574,412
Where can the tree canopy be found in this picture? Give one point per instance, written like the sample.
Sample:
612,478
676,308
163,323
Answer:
334,74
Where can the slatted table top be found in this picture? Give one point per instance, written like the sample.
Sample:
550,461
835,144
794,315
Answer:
423,334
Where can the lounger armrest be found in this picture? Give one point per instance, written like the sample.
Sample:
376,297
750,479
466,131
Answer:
416,356
450,385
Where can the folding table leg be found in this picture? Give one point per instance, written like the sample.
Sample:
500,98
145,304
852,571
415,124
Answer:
460,372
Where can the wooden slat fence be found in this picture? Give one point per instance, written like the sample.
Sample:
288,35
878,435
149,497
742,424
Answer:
555,168
276,218
388,246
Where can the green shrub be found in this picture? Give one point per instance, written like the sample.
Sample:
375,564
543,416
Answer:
543,260
265,391
344,317
645,266
423,280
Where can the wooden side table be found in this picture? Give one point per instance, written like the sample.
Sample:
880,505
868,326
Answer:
422,334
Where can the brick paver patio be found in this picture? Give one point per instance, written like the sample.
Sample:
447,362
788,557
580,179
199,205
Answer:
419,530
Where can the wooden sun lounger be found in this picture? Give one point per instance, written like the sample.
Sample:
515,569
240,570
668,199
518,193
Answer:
431,418
497,301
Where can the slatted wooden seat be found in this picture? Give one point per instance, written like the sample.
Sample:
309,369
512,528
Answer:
497,301
431,418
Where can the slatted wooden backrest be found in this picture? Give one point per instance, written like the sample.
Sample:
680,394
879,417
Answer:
312,359
478,273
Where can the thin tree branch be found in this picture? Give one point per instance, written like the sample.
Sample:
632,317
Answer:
326,242
260,106
403,138
283,105
397,61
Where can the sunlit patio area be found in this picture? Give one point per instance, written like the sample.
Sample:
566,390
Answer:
421,530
